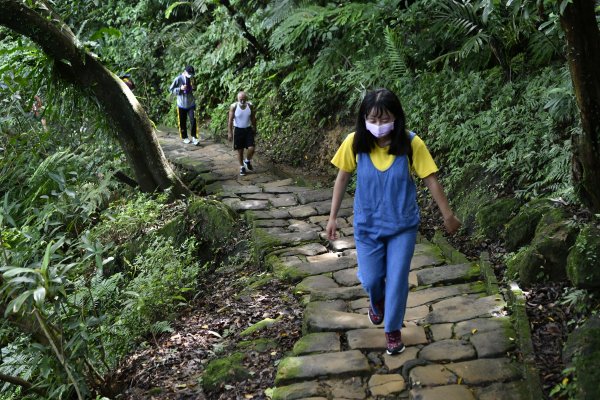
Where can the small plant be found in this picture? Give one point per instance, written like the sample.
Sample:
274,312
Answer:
567,388
579,301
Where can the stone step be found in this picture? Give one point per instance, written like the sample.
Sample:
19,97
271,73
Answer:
333,321
450,392
374,339
458,309
345,363
323,342
448,274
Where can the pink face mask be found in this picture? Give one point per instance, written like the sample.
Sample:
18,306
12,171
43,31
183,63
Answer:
379,130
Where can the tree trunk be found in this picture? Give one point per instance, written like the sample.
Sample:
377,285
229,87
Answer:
135,132
583,51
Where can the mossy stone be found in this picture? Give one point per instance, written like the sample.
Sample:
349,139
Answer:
283,272
551,217
553,242
546,256
224,370
263,243
265,323
213,221
520,230
584,258
492,217
526,266
469,193
582,351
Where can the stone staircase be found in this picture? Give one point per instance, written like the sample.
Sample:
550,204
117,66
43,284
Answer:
459,336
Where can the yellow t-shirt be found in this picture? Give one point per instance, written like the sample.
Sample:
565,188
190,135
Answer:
422,164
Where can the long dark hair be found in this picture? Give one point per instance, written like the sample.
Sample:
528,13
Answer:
381,101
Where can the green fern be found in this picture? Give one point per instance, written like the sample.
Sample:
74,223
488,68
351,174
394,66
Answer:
393,52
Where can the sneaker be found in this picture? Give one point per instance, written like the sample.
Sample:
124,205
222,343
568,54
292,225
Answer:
195,141
186,141
394,343
249,165
242,171
376,313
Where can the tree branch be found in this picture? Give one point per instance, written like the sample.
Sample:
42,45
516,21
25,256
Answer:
13,380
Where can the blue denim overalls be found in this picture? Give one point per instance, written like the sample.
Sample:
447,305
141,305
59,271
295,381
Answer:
386,218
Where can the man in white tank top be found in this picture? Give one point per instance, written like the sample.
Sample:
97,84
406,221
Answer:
241,129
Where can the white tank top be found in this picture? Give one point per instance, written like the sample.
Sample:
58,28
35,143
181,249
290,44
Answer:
242,116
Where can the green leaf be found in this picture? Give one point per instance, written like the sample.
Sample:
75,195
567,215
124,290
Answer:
12,271
17,303
175,5
108,31
22,279
46,260
39,295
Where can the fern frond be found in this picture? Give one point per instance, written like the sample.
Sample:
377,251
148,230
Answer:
277,11
393,52
299,28
160,327
459,19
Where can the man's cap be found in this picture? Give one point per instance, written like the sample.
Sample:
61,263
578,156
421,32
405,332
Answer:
190,70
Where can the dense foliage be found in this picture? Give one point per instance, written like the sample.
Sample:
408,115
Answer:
484,83
462,69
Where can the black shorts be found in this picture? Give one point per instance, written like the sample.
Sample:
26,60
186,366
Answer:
243,138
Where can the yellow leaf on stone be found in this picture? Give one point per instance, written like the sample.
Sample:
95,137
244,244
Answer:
551,319
473,331
248,396
459,380
273,353
204,326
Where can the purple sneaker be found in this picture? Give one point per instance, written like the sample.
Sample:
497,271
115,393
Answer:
394,343
376,313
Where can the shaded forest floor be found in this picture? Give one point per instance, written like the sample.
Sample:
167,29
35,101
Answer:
171,366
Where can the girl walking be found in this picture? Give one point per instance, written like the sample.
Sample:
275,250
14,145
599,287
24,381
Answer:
386,215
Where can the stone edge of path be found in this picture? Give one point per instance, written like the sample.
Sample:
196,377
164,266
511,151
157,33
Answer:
516,303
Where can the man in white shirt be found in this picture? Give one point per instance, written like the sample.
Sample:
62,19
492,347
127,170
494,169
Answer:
241,129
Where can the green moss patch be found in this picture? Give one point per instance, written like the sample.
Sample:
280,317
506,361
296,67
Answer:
520,230
265,323
492,217
584,258
583,352
263,243
545,258
283,272
224,370
212,221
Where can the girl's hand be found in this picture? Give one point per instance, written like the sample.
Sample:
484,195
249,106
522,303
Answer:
452,224
331,229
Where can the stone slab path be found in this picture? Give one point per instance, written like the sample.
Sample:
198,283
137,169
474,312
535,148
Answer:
459,338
